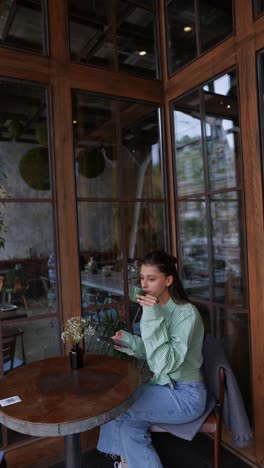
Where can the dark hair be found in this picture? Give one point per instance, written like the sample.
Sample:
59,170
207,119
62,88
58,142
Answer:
167,264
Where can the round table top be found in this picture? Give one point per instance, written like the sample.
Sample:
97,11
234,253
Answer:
58,400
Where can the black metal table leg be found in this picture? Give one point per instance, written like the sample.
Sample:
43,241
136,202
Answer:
72,450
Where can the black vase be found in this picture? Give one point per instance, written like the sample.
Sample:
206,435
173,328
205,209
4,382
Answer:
76,356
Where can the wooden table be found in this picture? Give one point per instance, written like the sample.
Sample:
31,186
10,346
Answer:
60,401
13,314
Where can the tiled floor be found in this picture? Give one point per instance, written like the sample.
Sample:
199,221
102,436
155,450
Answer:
174,453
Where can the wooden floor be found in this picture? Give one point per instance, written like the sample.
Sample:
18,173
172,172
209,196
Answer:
174,453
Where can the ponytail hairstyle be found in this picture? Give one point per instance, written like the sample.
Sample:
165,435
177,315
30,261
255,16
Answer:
166,264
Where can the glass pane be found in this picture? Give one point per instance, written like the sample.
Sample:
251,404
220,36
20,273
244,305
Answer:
188,145
91,32
194,248
144,228
24,153
181,33
22,25
228,252
222,131
94,129
100,253
141,153
261,103
215,22
232,327
105,322
259,6
26,268
136,40
205,314
26,228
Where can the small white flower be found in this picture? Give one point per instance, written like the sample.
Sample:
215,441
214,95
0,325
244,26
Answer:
75,330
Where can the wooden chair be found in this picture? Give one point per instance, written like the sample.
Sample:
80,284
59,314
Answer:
15,332
15,285
10,361
213,423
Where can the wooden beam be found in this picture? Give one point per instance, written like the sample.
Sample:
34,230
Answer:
24,66
254,222
215,62
259,33
113,83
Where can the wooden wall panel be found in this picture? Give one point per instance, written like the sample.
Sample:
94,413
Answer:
24,66
215,62
68,254
113,83
254,221
65,205
168,131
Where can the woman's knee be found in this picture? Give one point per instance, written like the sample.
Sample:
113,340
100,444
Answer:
132,431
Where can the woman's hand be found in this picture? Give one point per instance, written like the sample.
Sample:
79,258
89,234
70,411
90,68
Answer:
148,300
118,335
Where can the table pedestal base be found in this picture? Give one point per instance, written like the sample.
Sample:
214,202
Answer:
72,450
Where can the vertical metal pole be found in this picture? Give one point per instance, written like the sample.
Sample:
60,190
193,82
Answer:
72,451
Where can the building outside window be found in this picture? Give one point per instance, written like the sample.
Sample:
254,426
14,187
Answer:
210,213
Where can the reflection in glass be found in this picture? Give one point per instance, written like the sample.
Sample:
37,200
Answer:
22,25
91,32
259,6
188,145
180,28
100,253
29,275
104,322
144,224
222,131
117,35
141,154
211,240
228,255
117,159
215,22
232,328
24,155
194,248
94,129
136,40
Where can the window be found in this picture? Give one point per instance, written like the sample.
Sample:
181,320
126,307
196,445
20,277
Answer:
27,244
117,35
211,252
22,25
258,7
121,196
193,27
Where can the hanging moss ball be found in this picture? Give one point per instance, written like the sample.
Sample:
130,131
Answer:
34,168
91,163
15,128
42,133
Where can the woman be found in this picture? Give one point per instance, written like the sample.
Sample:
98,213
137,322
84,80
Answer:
171,341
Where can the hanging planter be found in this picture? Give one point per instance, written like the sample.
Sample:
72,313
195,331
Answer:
91,163
15,128
34,168
42,133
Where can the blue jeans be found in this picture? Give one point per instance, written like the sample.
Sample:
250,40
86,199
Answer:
129,436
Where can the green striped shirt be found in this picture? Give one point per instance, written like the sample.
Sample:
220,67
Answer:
171,341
